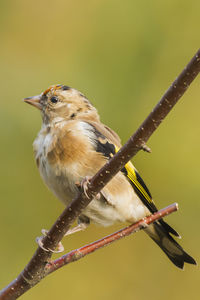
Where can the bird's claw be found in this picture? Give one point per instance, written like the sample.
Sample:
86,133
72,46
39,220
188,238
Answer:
143,225
60,247
84,186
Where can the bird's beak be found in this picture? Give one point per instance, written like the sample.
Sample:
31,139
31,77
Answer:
35,101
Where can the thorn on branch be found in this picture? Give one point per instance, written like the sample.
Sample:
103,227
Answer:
145,148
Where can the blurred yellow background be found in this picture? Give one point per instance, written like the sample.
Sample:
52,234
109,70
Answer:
123,55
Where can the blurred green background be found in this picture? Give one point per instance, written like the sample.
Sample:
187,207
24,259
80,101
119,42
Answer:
123,55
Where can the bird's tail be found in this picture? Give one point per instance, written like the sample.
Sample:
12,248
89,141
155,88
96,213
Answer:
160,234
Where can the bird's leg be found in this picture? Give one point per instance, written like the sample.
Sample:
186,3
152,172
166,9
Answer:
79,227
83,223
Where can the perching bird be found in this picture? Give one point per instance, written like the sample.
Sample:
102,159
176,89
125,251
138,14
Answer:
72,145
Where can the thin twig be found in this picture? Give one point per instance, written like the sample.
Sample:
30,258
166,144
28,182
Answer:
75,255
35,269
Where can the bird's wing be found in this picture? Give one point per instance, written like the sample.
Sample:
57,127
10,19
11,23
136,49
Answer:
108,143
106,133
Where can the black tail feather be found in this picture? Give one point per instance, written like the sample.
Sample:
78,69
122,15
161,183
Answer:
168,228
171,248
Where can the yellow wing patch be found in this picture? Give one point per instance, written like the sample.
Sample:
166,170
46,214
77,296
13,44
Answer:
133,175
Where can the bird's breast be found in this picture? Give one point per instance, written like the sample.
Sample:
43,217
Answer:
55,175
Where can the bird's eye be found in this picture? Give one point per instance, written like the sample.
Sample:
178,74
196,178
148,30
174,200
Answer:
54,99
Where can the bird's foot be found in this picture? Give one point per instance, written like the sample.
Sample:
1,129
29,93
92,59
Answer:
60,247
84,186
143,224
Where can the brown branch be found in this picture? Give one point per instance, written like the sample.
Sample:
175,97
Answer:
75,255
35,270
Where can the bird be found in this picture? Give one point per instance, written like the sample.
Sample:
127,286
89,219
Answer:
72,145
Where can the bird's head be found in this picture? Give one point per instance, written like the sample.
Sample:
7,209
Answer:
60,102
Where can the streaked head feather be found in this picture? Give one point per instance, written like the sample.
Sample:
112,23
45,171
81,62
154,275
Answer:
67,103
